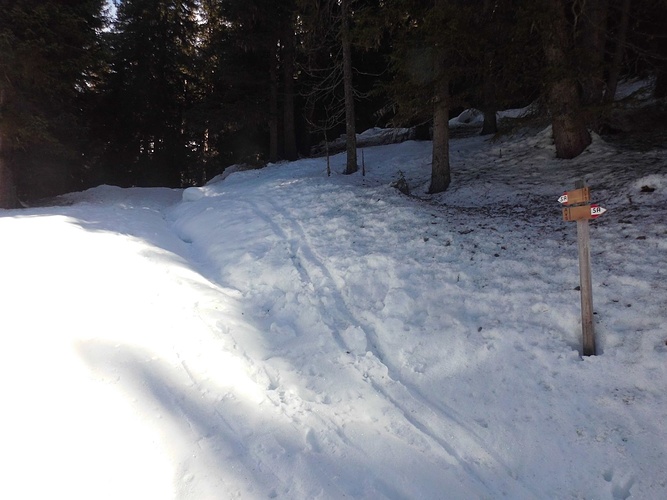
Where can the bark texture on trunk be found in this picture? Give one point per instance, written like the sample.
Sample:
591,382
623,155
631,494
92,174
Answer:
619,50
440,171
660,90
273,107
594,39
289,129
570,133
490,125
350,129
7,188
489,107
7,194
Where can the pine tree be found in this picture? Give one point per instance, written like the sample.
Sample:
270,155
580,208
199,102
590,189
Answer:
505,60
8,197
570,132
288,59
152,73
431,53
348,87
247,46
49,53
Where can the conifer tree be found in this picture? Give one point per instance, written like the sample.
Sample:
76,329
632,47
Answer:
505,60
152,74
49,55
331,92
288,41
249,52
570,132
431,52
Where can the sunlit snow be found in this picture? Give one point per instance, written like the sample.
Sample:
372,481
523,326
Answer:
283,334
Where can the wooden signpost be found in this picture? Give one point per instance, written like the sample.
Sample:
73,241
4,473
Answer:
578,208
583,212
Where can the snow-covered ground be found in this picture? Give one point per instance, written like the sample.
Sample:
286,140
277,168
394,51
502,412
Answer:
283,334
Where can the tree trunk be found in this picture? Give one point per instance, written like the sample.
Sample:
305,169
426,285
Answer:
350,129
594,38
440,172
619,50
289,129
273,107
570,134
7,188
660,90
306,139
490,125
489,106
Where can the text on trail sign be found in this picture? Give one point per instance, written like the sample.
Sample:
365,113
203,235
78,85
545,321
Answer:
597,211
583,212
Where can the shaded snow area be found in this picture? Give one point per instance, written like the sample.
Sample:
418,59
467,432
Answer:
283,334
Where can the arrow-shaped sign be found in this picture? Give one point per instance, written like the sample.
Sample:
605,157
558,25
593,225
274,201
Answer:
583,212
597,211
581,195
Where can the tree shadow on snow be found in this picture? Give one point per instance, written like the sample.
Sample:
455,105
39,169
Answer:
205,445
222,445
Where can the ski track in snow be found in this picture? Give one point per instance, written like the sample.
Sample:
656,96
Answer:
407,399
337,317
282,334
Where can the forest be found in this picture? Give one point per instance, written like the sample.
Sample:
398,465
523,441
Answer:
171,92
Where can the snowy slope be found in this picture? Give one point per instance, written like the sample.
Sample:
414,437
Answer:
284,334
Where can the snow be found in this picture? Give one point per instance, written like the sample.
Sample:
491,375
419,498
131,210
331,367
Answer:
279,333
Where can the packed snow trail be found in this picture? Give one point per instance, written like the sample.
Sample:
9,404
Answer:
319,291
283,334
297,301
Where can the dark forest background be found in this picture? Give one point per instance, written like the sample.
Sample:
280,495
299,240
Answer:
171,92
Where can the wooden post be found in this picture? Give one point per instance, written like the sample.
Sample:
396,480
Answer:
585,281
578,208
